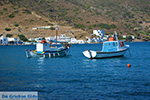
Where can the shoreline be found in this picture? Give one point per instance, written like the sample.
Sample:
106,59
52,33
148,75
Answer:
77,43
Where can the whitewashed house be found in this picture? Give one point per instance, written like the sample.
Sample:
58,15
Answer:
89,40
75,41
50,39
105,38
133,37
38,39
15,40
31,39
99,33
80,41
41,27
63,38
124,36
3,40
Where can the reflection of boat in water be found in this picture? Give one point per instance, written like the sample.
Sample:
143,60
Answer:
111,48
48,50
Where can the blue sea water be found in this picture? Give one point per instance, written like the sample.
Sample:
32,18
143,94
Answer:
75,77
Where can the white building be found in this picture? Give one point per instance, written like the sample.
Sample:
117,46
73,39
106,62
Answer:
31,39
42,27
133,37
99,33
75,41
38,39
61,38
50,39
15,40
89,40
125,36
105,38
3,40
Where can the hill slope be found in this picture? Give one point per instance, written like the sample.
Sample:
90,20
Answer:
130,17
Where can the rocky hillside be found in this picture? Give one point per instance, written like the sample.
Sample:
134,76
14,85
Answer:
76,17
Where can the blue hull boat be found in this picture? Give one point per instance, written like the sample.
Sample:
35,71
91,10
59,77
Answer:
111,48
47,50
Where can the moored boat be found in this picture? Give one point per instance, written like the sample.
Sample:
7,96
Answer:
111,48
48,50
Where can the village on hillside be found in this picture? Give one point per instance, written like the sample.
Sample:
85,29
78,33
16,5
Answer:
97,36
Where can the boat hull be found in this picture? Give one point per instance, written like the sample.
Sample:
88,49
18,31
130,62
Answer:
98,55
47,54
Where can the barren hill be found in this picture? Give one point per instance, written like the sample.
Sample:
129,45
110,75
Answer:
76,17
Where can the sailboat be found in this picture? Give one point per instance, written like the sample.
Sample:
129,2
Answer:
111,48
49,49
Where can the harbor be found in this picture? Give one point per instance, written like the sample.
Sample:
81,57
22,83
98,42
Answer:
74,50
76,77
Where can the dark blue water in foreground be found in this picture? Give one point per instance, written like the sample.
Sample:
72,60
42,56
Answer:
76,77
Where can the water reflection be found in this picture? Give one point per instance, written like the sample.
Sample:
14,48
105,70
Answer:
40,61
40,64
89,63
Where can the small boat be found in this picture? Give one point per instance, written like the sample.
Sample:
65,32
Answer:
111,48
48,50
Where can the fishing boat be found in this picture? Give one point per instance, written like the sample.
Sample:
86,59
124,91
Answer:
111,48
49,49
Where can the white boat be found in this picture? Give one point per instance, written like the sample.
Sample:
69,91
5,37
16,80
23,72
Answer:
111,48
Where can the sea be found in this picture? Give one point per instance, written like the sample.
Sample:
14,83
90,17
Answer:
75,77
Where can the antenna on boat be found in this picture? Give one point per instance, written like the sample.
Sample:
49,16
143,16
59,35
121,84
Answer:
116,36
57,28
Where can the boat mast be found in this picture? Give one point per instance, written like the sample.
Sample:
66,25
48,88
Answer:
57,28
116,35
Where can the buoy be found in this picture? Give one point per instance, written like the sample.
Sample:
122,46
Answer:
128,65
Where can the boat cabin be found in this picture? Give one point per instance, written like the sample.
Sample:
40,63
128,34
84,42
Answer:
44,46
112,46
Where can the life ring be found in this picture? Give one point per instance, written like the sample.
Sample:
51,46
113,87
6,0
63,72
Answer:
122,44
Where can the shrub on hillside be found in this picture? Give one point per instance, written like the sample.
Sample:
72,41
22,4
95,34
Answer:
1,13
22,37
148,38
120,37
9,35
128,38
106,26
27,11
11,15
7,29
52,28
16,25
113,26
80,26
5,9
